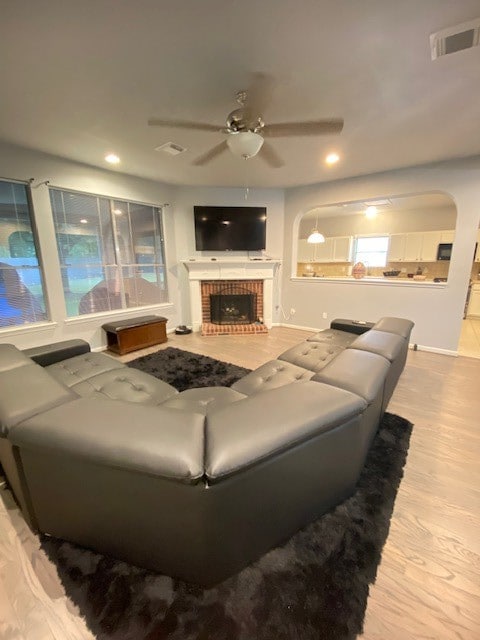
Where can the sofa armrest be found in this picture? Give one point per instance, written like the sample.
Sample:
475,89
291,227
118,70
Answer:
56,352
269,423
151,440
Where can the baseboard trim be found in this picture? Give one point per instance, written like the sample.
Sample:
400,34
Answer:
297,326
443,352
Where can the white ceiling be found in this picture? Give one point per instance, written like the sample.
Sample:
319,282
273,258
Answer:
81,78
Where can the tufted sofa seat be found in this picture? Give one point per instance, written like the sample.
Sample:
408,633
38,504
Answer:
200,483
98,375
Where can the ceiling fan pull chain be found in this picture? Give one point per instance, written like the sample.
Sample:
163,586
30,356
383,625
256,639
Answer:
247,190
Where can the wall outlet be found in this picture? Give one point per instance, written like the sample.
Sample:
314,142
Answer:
324,315
293,311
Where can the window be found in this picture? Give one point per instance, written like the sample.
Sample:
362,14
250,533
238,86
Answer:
371,250
22,299
111,252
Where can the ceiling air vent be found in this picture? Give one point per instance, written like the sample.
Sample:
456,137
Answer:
171,148
462,36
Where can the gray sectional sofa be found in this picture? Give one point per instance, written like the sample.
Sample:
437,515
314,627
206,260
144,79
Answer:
195,484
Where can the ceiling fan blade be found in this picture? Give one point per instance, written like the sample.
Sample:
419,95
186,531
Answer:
181,124
271,157
211,154
309,128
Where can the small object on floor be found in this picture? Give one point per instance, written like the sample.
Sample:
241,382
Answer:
182,330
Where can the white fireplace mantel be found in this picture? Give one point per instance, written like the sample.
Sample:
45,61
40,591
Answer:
230,269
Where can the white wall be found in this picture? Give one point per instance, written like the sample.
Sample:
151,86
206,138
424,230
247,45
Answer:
188,197
21,164
437,312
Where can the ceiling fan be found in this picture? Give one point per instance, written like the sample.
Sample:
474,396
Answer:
246,130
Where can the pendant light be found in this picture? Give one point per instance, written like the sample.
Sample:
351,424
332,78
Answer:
316,237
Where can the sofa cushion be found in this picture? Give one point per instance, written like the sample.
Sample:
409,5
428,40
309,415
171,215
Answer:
11,357
333,336
360,372
270,375
266,424
382,343
26,391
399,326
203,400
311,355
151,440
83,367
123,383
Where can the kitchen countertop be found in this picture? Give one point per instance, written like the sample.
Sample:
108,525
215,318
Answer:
374,280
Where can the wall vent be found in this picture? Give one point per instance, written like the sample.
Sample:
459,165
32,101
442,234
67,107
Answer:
171,148
462,36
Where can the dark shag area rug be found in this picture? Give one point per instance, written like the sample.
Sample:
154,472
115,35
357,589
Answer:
184,370
313,587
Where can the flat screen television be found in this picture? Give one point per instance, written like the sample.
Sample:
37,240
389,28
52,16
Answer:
230,228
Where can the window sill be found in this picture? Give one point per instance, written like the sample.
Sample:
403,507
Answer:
117,314
28,328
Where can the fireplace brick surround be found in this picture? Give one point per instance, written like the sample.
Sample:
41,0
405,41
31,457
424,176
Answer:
208,288
208,277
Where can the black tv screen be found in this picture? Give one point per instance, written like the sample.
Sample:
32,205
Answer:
230,228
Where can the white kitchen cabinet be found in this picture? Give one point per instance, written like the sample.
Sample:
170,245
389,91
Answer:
324,251
305,251
447,237
474,303
413,247
417,246
342,249
396,247
430,242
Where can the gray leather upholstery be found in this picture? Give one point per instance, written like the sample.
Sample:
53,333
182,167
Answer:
359,372
271,375
311,355
123,383
203,400
83,367
196,484
383,344
11,357
153,440
364,374
266,424
50,353
26,391
333,336
399,326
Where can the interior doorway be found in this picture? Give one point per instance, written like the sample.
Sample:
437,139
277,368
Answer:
469,343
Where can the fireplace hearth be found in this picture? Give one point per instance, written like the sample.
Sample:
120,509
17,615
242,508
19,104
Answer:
233,305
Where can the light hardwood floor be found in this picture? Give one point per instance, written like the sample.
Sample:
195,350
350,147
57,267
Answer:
428,583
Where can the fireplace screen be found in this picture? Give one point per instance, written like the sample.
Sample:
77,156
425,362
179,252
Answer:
233,305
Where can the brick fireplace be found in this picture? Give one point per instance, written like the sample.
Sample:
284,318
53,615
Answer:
213,324
209,277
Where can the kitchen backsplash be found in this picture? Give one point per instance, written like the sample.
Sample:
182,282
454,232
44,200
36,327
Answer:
438,269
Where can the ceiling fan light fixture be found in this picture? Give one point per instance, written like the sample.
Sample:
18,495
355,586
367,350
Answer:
245,144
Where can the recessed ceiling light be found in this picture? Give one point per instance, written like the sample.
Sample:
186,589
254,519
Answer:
371,212
112,158
332,158
117,212
84,221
